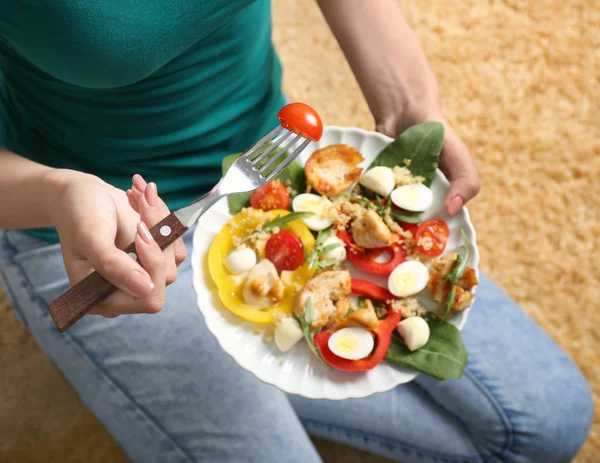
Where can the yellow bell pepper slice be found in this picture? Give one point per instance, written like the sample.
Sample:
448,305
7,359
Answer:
230,292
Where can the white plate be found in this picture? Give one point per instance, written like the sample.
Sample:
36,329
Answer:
299,371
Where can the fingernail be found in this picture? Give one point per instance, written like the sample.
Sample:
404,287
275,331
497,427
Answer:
144,233
140,285
151,194
454,205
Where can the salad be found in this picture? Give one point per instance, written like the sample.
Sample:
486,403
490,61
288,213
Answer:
284,259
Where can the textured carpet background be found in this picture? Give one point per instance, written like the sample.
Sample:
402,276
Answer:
520,80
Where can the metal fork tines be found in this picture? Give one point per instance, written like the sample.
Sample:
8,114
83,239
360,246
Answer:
270,165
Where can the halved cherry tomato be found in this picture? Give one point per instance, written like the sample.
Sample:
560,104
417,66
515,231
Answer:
437,231
271,196
301,118
365,259
411,227
284,249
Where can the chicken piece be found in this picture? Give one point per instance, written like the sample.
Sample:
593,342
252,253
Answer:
468,280
342,307
333,169
462,299
370,231
263,288
440,288
366,315
324,290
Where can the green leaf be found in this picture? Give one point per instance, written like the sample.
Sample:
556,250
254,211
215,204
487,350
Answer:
443,357
459,269
278,221
330,247
421,144
449,301
315,258
309,311
305,319
294,173
405,216
361,301
358,199
456,273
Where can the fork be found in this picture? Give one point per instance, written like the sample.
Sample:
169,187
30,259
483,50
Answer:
254,168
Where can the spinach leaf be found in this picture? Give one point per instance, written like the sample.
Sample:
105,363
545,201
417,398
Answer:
421,144
443,357
294,173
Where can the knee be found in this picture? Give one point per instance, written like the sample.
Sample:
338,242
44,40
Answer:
550,422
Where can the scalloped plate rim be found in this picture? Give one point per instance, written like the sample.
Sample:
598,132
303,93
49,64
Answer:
200,287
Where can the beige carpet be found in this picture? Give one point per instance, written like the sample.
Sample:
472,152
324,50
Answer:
520,83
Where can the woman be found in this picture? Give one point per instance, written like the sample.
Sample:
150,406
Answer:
93,92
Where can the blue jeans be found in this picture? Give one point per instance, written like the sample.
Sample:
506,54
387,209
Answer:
167,393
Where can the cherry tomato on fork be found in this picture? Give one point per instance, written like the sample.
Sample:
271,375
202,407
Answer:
271,196
437,231
301,118
285,250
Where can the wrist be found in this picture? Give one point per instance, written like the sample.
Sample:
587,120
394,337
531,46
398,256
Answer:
55,185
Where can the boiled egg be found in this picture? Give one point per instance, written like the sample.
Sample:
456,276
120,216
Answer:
338,253
318,205
379,180
408,279
416,198
415,332
287,333
240,260
351,343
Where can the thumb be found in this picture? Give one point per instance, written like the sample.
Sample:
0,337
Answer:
115,265
458,166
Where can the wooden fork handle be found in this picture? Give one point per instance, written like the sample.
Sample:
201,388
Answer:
93,289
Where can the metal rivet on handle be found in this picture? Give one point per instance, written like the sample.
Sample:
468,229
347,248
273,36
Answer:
133,255
165,230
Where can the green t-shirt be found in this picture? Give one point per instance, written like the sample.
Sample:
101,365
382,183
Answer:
164,88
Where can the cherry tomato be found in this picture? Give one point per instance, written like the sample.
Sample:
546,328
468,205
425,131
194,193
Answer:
437,231
271,196
411,227
301,118
285,250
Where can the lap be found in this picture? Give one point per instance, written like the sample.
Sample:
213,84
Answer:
160,384
164,388
520,399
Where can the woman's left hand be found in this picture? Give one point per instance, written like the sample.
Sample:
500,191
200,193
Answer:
392,70
455,159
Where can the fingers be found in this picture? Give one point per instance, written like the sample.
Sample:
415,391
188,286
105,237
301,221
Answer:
113,264
155,262
458,166
139,186
152,211
133,196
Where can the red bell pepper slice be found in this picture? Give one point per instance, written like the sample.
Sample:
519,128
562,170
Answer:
383,332
365,259
370,290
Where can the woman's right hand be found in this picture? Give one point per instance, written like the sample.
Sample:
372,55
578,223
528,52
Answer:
95,221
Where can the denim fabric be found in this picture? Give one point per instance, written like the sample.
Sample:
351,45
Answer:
167,393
